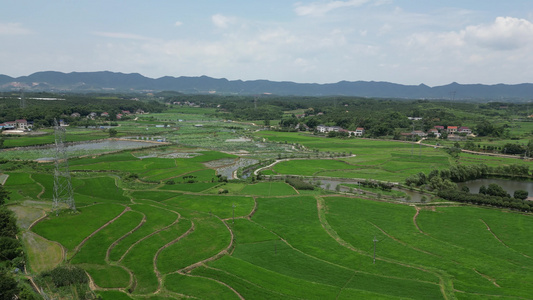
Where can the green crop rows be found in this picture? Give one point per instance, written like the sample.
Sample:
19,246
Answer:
166,226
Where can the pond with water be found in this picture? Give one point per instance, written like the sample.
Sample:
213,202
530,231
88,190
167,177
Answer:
510,186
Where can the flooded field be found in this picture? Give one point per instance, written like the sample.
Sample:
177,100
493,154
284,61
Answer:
47,153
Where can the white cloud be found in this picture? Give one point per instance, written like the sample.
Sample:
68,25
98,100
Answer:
222,21
505,33
13,29
178,24
321,8
121,35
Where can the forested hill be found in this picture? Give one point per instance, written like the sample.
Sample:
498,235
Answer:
110,81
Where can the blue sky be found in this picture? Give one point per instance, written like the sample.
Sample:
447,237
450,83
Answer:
401,41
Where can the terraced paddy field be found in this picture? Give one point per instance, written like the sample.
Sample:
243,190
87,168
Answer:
141,238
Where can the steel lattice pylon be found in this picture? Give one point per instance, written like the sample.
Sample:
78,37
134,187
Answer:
63,191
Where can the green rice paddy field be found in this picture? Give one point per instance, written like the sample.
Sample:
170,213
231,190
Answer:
141,238
374,159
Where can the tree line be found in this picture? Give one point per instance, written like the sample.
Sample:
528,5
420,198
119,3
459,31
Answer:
12,256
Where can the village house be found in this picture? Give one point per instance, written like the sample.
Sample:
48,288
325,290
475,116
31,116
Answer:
91,116
439,128
104,114
359,131
420,133
22,124
75,115
10,125
451,129
434,132
464,130
325,129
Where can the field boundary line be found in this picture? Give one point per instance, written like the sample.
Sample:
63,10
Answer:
402,242
499,240
148,236
487,277
38,183
212,258
123,237
345,284
156,256
334,235
306,254
247,281
215,280
77,248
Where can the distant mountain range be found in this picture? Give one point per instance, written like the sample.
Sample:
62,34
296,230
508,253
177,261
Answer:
119,82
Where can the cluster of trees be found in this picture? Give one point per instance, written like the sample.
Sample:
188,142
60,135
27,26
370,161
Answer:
299,184
385,186
444,178
486,199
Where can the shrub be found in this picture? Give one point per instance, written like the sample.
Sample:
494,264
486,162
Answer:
67,275
299,184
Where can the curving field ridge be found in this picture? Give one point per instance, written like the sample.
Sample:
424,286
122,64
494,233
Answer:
269,241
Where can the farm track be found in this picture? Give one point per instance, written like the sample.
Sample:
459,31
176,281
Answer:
249,216
256,172
414,219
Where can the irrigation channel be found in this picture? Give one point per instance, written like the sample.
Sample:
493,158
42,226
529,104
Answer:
228,167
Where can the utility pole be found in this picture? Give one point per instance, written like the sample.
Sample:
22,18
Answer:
22,99
375,240
412,138
233,214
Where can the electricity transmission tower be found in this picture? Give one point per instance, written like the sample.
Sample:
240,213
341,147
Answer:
63,191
